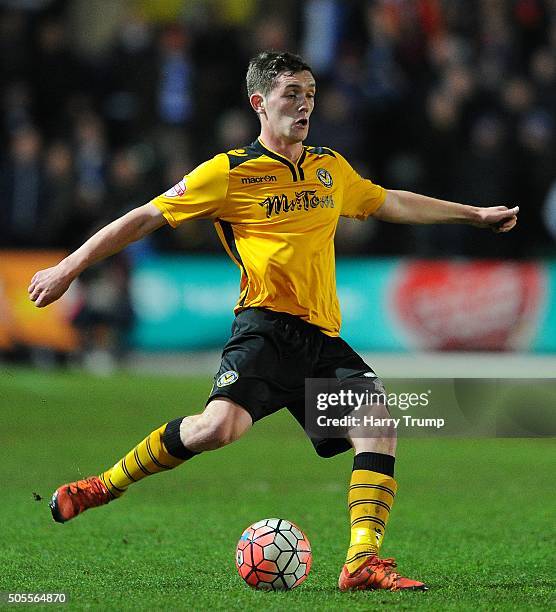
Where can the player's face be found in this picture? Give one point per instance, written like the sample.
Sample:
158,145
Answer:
290,104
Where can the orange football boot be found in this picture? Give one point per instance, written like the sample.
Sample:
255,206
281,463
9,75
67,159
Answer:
376,574
71,499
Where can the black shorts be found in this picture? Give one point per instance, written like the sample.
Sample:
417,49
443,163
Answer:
267,359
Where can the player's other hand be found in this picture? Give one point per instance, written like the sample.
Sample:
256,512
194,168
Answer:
48,285
499,219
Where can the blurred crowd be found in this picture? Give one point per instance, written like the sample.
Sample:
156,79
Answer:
106,104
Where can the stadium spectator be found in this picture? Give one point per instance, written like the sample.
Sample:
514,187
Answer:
25,207
59,188
535,168
128,99
549,215
104,316
56,76
414,81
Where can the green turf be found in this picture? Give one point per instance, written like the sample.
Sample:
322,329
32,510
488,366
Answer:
473,517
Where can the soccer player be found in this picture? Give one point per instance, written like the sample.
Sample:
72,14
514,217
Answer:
275,205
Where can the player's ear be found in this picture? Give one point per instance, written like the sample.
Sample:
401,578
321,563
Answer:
257,103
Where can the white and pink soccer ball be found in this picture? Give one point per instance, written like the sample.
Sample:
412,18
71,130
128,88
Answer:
273,554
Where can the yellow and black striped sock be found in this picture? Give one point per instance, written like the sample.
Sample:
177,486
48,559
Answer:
371,495
160,451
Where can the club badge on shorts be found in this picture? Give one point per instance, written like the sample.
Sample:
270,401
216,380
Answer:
227,378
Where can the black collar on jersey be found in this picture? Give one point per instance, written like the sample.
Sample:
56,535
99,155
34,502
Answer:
295,169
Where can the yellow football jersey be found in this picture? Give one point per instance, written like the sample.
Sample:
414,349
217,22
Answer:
277,220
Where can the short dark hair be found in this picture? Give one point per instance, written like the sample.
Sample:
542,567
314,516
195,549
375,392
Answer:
265,67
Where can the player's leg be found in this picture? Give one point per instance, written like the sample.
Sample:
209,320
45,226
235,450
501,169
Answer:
372,487
249,385
222,422
370,499
371,495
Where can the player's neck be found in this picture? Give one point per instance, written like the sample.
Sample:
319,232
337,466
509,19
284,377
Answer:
291,151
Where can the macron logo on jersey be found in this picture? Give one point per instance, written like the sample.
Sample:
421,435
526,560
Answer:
268,178
177,190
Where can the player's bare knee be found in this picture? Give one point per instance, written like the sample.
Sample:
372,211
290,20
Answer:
226,421
214,431
221,423
220,433
374,422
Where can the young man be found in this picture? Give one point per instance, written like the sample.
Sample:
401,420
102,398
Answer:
275,205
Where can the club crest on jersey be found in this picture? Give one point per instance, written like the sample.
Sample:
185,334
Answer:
324,177
177,190
227,378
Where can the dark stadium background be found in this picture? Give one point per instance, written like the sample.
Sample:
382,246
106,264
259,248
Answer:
105,104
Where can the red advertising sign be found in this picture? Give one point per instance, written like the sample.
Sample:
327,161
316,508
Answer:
468,305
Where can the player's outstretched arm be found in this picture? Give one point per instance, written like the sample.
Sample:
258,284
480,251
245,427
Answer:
408,207
50,284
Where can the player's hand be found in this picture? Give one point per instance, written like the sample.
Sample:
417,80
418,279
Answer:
48,285
499,219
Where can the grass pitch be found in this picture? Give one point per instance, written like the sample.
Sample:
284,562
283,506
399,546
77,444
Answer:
474,518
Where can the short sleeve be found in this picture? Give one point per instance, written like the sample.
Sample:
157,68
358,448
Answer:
200,194
361,196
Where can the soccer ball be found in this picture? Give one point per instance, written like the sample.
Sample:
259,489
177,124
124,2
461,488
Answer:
273,554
